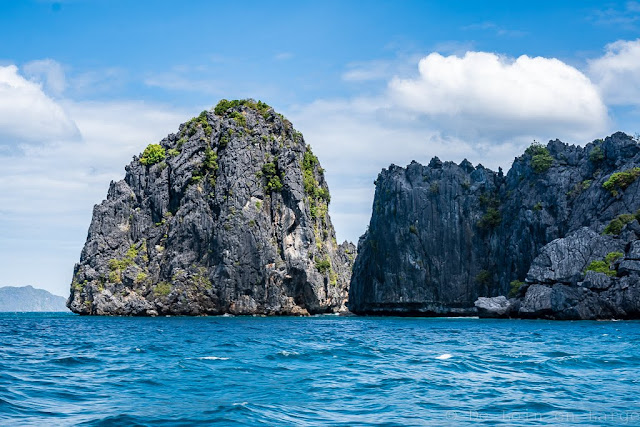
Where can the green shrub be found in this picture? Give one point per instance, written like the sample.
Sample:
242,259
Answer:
596,155
154,153
617,224
537,206
172,152
162,289
621,180
272,178
224,105
483,277
541,161
605,266
490,220
413,229
141,277
323,265
601,267
515,288
239,118
319,197
613,257
434,188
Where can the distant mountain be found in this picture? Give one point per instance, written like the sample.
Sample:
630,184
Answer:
28,298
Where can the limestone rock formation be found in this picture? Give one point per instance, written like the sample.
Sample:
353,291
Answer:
443,235
228,215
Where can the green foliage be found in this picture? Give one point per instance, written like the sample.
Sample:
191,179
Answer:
621,180
115,277
605,266
225,139
239,118
434,188
596,155
224,105
162,289
210,160
141,277
613,257
172,152
273,179
601,267
515,288
319,197
181,142
258,205
483,277
323,265
154,153
200,280
208,167
117,266
541,160
413,229
490,220
617,224
201,121
537,206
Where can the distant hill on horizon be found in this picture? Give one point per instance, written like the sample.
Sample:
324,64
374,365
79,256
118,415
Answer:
28,298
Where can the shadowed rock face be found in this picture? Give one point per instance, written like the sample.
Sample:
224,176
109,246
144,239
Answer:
443,235
233,220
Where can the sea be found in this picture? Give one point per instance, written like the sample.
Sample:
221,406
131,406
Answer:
64,369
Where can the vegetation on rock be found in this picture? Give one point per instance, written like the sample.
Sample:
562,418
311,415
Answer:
621,180
154,153
541,160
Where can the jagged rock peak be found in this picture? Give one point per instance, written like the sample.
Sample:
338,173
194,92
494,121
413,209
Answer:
443,235
228,215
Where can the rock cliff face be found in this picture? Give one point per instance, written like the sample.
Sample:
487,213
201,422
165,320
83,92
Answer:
229,215
443,235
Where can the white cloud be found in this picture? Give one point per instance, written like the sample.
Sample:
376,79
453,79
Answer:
27,114
354,139
617,72
479,106
49,72
484,94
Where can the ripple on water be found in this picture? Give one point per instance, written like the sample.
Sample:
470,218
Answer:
322,370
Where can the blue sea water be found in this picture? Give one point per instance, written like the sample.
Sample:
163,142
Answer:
62,369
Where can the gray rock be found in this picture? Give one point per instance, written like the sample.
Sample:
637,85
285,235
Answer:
629,266
537,301
233,220
564,260
493,307
598,281
443,235
634,251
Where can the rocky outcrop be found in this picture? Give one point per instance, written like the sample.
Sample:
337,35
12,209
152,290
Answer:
442,236
229,215
582,276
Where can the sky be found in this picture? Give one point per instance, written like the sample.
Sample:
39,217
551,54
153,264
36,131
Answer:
85,85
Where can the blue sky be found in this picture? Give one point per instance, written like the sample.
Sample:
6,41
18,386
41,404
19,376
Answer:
84,85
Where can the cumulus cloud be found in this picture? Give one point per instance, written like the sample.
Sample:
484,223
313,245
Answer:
617,72
354,139
27,114
480,106
486,94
